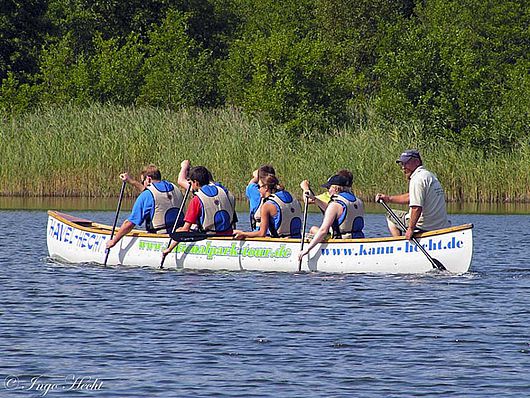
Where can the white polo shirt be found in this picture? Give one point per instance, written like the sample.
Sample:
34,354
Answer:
426,191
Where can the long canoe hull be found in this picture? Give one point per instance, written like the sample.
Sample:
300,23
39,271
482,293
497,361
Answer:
75,240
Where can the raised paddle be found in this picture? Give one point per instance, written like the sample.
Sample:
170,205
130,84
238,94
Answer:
306,205
176,222
435,263
115,220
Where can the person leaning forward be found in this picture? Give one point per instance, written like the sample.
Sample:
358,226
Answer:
157,205
426,198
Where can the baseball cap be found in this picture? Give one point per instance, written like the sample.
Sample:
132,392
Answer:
337,180
407,155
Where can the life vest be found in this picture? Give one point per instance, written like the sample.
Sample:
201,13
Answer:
350,224
288,219
255,216
218,208
167,205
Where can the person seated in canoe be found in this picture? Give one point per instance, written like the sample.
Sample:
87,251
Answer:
280,213
324,198
344,214
253,195
212,208
426,199
184,181
157,205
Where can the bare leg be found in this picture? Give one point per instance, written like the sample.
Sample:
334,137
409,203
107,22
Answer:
394,231
314,229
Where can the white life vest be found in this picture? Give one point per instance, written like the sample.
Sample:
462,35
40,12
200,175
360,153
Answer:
167,205
218,208
288,220
351,222
255,218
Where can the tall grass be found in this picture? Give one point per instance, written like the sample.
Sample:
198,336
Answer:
71,151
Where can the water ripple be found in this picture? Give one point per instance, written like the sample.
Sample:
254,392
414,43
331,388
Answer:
165,333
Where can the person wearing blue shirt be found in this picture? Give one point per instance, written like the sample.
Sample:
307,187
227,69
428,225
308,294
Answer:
253,194
157,205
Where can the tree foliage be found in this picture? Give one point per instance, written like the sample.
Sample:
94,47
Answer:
459,68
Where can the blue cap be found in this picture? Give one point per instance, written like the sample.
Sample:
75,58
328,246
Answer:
407,155
337,180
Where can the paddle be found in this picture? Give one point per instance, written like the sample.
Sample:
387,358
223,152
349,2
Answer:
435,263
176,222
115,220
306,205
192,236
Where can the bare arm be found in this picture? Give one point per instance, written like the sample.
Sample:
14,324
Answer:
402,199
321,204
415,213
254,179
268,210
125,228
332,212
183,174
307,191
137,184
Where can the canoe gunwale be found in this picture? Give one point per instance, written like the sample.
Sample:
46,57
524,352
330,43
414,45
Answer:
90,226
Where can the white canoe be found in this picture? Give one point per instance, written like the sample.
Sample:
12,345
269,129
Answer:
75,240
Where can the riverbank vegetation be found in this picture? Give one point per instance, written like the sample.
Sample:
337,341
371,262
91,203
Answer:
79,151
458,68
89,88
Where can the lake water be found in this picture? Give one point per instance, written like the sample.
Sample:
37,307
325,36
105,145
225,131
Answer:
113,332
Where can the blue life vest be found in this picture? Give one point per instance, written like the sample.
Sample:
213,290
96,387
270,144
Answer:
218,208
288,219
350,224
168,200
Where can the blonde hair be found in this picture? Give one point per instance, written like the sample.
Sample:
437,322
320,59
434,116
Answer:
341,188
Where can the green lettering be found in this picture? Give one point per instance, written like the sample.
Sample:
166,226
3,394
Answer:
233,250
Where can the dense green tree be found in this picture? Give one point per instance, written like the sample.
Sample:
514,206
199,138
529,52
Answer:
117,69
23,26
460,68
451,66
177,70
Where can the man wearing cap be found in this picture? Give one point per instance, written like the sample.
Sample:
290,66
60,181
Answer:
426,198
344,214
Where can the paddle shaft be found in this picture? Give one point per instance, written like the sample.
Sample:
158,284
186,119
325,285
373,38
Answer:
306,205
177,220
115,219
435,263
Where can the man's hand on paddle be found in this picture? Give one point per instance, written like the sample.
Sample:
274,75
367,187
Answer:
383,197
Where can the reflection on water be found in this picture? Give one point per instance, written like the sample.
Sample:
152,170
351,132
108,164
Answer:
62,203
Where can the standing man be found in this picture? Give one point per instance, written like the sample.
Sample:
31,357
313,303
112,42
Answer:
157,205
426,198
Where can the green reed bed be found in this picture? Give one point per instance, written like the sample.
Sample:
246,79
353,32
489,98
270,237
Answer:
72,151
